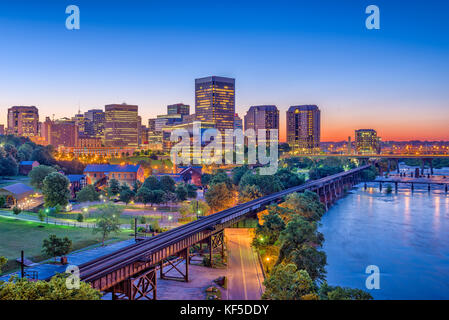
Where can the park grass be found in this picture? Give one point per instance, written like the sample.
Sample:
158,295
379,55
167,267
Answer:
17,235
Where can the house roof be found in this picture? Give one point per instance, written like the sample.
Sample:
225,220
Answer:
112,168
18,189
75,177
27,163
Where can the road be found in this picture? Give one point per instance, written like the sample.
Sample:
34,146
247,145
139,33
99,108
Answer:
245,276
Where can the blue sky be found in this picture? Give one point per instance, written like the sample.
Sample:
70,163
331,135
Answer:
285,53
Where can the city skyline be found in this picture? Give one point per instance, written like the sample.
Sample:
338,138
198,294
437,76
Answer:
304,54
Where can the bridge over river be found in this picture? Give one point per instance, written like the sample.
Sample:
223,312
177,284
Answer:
130,273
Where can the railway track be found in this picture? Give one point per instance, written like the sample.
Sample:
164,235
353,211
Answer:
96,268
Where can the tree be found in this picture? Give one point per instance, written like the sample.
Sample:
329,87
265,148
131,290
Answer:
2,201
286,282
38,174
8,166
238,172
3,262
113,187
167,184
157,196
268,233
56,190
55,289
194,208
54,246
41,215
191,191
126,194
108,221
305,204
87,194
144,195
219,197
152,183
205,179
248,193
181,192
299,241
289,179
137,184
220,176
43,155
267,184
327,292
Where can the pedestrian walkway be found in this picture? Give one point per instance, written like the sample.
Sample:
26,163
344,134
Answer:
46,270
48,220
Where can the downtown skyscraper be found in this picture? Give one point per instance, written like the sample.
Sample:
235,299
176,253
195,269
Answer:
304,128
262,118
215,101
23,121
122,126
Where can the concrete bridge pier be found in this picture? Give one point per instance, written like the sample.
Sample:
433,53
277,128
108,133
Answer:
445,188
380,186
396,187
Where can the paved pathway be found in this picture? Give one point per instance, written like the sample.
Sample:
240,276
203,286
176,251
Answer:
245,276
78,257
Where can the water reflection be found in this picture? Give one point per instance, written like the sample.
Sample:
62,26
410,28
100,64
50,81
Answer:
404,234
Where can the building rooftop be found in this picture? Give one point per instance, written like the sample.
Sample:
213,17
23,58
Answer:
75,177
112,168
18,189
27,163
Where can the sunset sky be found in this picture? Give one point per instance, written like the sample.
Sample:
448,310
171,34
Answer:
394,80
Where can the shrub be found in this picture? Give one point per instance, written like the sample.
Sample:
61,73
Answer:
16,210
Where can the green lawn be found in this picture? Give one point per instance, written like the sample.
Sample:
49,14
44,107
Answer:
16,235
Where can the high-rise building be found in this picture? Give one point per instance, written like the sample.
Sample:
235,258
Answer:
215,101
94,126
304,128
179,108
262,118
63,132
238,123
2,129
80,121
23,121
122,126
367,141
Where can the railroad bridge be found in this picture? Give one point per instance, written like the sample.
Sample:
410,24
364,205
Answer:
131,272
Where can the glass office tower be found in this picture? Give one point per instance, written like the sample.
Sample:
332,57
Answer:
215,101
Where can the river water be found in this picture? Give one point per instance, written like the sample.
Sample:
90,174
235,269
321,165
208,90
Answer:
405,234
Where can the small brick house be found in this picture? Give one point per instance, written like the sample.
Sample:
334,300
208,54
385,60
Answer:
128,173
26,166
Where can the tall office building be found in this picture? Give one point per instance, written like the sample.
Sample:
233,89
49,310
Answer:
304,128
95,121
122,126
262,118
179,108
63,132
367,141
80,121
23,121
215,101
238,123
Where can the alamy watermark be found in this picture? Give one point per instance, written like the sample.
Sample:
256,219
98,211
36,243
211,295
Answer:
209,147
73,279
373,280
373,20
73,20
